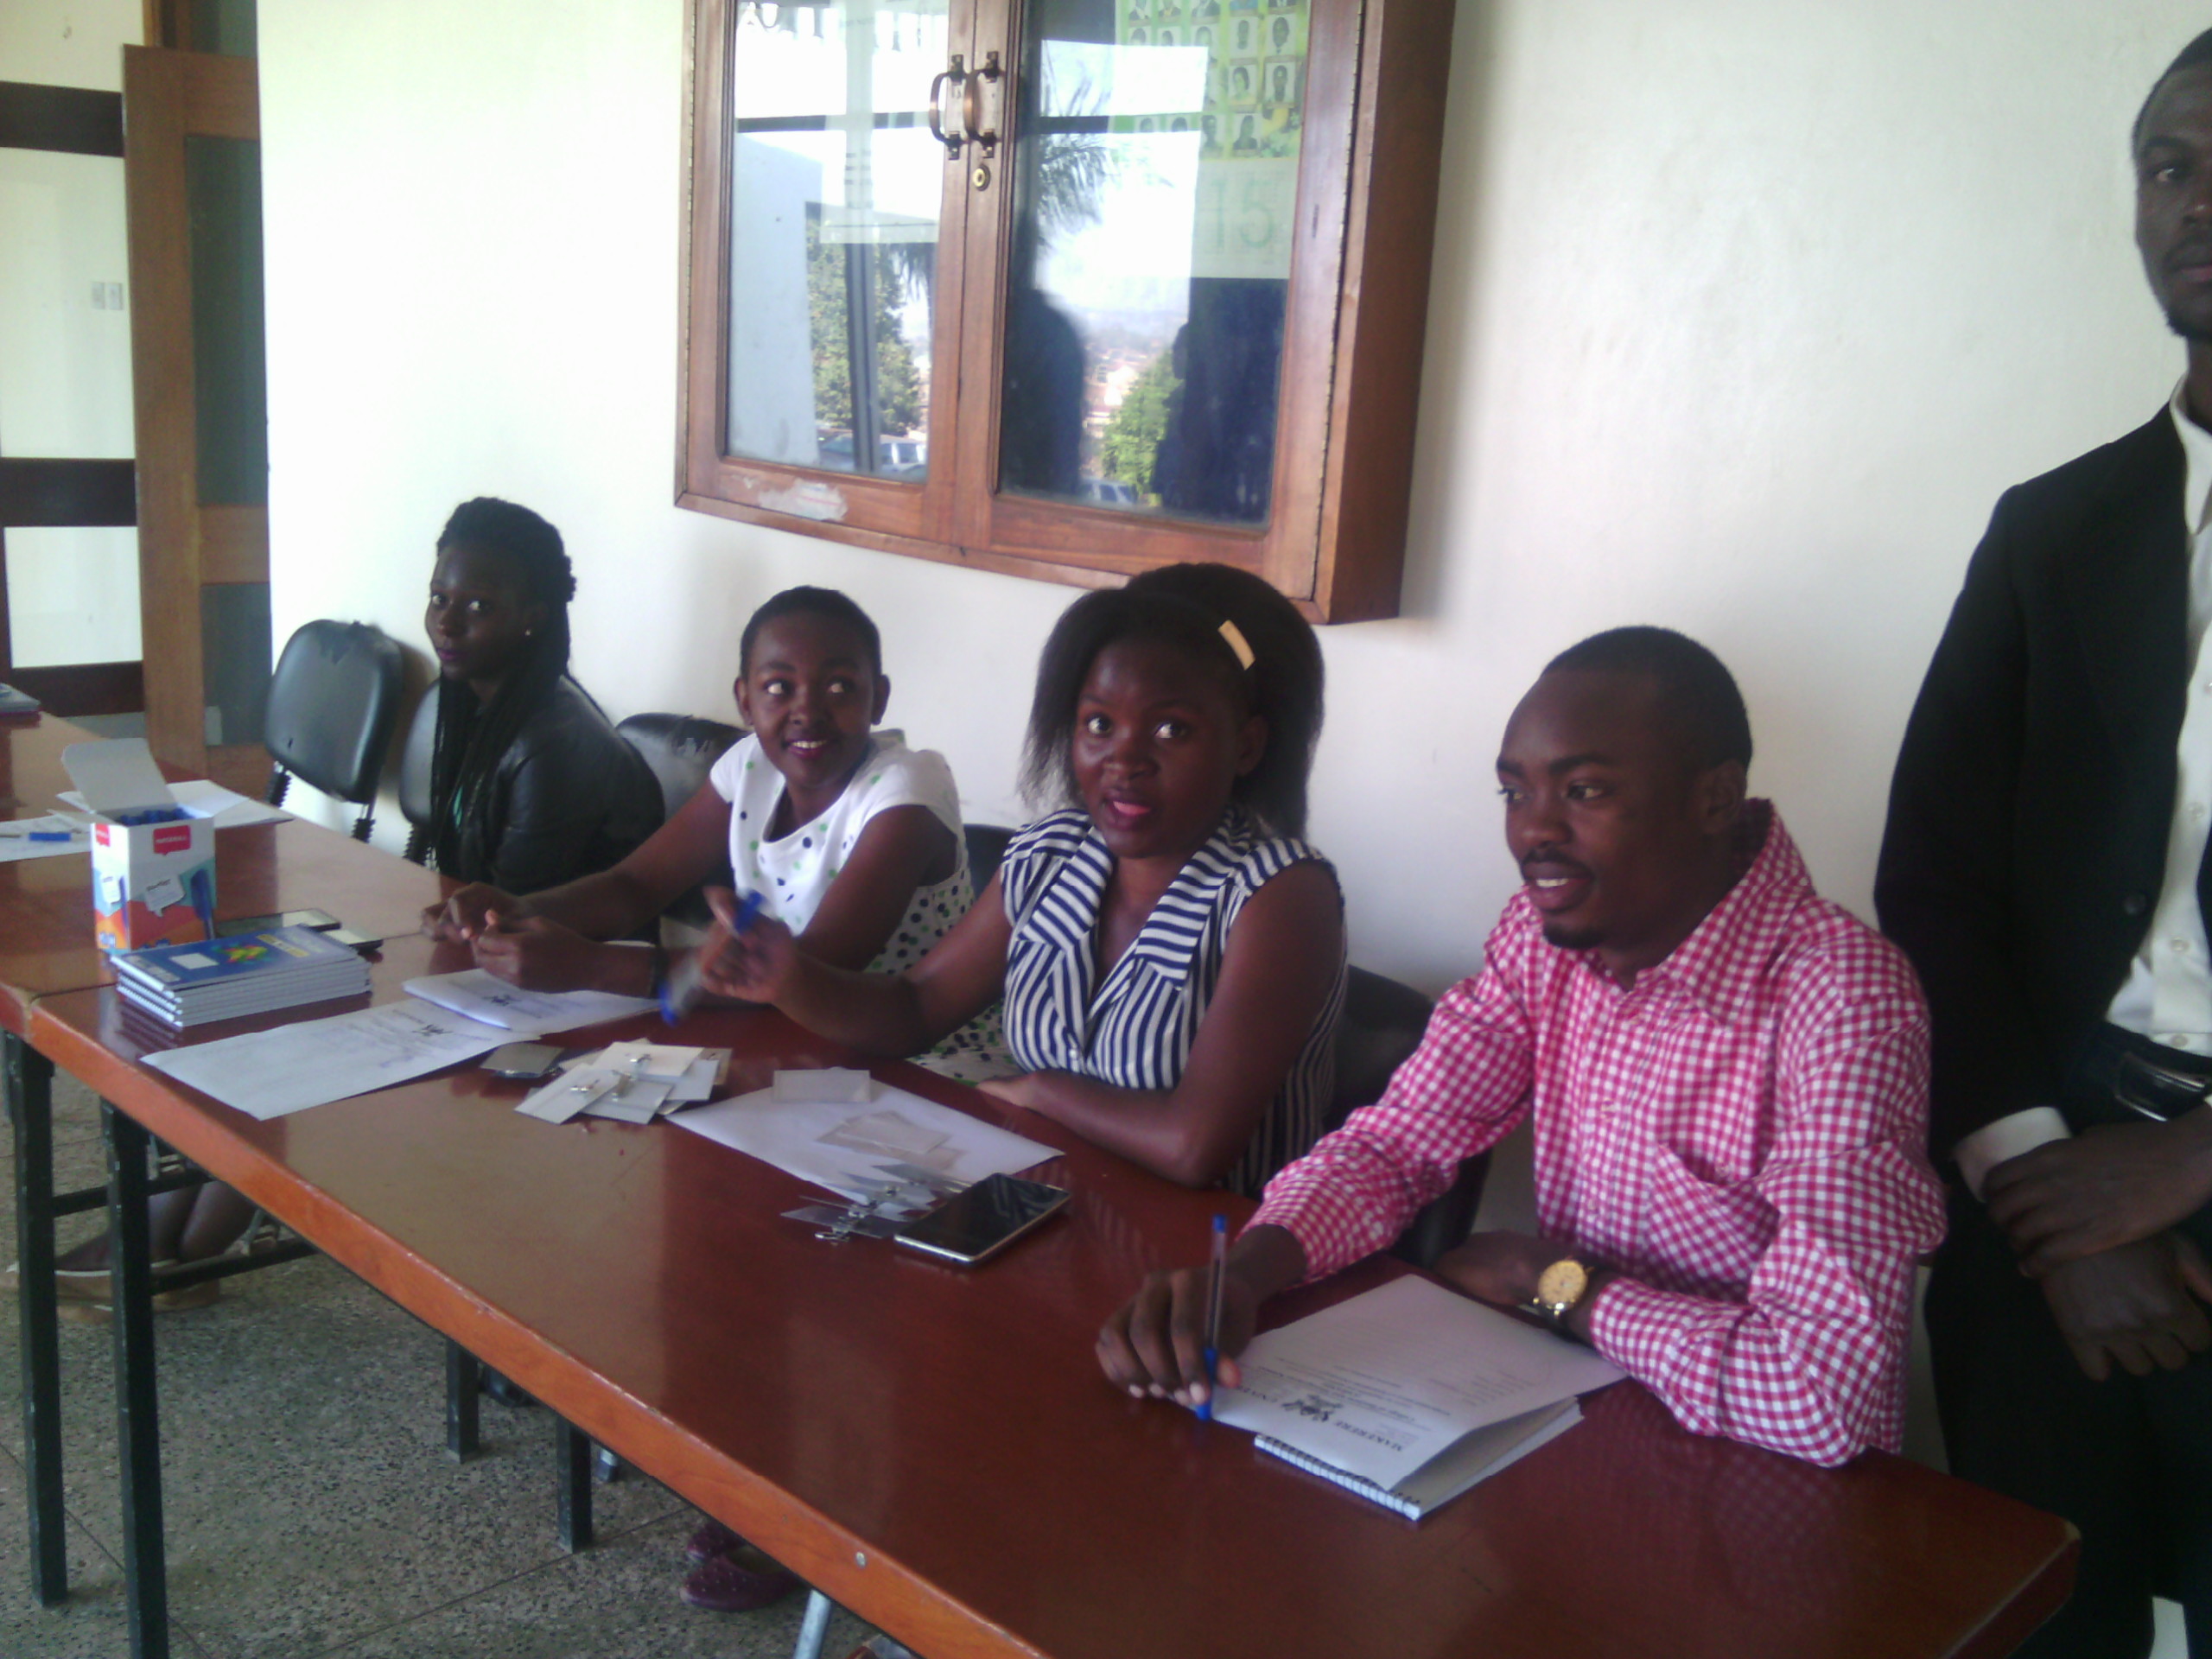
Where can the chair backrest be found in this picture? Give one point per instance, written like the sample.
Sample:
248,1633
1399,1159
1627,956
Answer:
332,705
414,756
681,749
987,844
1382,1026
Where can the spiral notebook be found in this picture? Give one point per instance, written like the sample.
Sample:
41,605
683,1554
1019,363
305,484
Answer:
1468,1461
1409,1394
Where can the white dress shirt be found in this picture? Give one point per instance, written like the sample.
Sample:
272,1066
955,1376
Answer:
2168,993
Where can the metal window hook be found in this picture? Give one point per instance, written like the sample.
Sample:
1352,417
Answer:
956,70
971,105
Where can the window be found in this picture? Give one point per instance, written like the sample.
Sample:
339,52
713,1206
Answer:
1066,288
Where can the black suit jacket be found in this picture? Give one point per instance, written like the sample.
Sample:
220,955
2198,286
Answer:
2035,792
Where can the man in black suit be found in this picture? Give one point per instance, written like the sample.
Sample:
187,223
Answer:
2045,869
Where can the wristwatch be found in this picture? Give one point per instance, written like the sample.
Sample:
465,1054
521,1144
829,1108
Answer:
1559,1288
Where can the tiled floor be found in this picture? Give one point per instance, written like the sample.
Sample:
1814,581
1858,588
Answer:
311,1506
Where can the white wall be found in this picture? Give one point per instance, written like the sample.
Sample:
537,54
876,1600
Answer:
1745,312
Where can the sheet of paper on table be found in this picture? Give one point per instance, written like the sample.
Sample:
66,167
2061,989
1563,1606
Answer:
843,1146
203,799
16,842
267,1074
1380,1385
479,995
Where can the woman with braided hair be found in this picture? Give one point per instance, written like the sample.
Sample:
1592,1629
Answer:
531,784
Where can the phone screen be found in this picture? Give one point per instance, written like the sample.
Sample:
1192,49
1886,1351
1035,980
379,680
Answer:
979,1222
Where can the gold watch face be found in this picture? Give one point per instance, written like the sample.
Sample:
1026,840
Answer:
1562,1285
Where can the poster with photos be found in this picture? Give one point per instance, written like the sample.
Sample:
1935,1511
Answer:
1254,57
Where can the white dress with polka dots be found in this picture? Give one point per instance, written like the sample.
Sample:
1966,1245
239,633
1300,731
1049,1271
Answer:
792,873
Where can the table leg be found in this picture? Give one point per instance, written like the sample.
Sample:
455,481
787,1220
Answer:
572,1457
138,1435
814,1628
30,1110
464,1393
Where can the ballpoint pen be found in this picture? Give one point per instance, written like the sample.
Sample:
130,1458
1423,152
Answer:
1215,1275
679,989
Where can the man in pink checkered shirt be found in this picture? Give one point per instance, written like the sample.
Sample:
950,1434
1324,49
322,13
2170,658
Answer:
1728,1077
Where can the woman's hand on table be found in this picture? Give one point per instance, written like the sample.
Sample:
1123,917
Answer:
752,966
538,955
470,911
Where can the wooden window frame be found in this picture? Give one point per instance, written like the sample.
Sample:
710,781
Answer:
1335,538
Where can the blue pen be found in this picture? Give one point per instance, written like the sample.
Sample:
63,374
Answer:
679,991
203,900
1214,1278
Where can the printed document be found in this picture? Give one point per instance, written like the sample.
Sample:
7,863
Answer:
1379,1385
266,1074
480,995
844,1145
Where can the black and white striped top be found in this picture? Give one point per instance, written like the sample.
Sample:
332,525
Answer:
1134,1030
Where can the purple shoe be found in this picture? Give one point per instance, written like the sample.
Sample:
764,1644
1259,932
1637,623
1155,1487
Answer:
711,1539
739,1582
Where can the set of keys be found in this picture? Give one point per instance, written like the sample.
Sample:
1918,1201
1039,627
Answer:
879,1208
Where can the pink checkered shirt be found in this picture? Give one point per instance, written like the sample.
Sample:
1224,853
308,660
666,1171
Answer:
1742,1135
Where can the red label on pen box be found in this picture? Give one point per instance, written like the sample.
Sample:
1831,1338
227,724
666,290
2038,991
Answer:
99,835
172,838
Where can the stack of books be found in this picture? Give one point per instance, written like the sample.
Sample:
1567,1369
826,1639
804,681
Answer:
244,974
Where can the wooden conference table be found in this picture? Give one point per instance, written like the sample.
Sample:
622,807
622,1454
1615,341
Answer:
46,946
934,1448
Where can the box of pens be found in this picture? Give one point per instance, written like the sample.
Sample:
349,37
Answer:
153,863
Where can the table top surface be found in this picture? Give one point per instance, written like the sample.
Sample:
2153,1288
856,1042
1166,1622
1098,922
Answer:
934,1446
45,910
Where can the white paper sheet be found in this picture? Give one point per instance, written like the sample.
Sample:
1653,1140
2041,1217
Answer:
269,1073
802,1138
16,843
1380,1385
479,995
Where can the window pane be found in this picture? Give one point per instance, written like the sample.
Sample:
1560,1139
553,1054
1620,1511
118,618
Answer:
65,393
72,595
835,187
227,26
1155,177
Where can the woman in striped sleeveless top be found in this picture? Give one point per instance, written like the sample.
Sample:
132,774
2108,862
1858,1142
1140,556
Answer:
1171,955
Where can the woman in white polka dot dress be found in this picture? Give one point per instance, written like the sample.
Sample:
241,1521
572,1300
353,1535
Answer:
853,839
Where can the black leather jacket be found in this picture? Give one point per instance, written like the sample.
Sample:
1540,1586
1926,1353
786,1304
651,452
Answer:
570,798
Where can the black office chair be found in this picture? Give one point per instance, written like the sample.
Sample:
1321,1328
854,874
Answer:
987,844
1381,1026
332,705
415,775
682,749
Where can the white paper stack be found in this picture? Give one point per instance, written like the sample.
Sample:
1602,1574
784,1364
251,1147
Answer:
244,974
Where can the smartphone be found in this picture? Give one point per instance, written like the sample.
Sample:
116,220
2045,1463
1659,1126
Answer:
361,944
528,1061
320,920
975,1225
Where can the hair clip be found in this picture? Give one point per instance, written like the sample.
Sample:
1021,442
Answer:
1234,636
